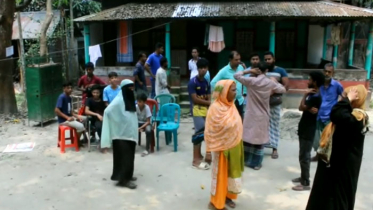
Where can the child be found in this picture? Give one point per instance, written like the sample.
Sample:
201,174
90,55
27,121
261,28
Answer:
65,113
200,93
95,107
144,114
112,90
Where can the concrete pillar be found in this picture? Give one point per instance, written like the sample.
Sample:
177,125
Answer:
272,37
325,44
335,56
168,44
368,55
352,43
87,40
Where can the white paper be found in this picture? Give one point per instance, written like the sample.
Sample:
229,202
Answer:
23,147
9,51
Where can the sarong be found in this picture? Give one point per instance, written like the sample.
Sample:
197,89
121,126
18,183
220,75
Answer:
253,155
274,127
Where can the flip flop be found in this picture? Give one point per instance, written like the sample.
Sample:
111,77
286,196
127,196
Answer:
230,203
145,153
274,156
202,166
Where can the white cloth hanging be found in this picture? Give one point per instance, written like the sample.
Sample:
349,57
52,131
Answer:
94,53
216,39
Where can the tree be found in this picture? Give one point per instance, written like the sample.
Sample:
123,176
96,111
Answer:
44,29
8,103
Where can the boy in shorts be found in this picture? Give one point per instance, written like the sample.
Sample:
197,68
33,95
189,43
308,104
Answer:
143,115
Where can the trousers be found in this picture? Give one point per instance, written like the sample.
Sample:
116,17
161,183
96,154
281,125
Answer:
305,148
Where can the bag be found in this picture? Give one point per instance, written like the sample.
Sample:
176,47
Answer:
275,99
326,143
199,136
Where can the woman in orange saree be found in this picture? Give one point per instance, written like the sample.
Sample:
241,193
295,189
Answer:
223,137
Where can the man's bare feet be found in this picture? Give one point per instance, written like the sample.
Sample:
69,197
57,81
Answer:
104,150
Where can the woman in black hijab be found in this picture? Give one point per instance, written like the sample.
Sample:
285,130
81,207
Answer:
121,127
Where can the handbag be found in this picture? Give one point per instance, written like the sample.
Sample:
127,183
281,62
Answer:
275,99
326,143
199,136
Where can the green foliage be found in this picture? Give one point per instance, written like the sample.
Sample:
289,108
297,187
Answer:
80,7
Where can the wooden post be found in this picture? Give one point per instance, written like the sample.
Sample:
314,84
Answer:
21,50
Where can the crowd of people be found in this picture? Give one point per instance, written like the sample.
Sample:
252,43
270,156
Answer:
237,114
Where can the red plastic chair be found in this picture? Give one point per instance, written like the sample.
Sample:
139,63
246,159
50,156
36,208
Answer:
153,105
62,139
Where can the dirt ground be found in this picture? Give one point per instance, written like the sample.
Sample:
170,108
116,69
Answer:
44,179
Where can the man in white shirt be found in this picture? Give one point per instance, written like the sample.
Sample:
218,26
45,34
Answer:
192,64
161,86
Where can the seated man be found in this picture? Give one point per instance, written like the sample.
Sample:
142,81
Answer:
88,80
144,114
95,107
112,90
65,113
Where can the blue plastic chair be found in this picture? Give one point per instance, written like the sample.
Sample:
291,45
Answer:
168,124
163,99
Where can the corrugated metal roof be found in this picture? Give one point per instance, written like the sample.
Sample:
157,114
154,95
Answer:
31,24
314,9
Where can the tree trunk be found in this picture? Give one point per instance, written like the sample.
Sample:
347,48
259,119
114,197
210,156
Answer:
8,103
44,29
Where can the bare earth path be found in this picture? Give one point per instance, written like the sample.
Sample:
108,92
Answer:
44,179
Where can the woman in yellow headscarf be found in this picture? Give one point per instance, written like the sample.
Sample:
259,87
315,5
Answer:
337,172
223,137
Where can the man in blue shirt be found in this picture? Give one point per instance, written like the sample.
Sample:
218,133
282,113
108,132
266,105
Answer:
111,91
227,73
139,74
275,101
152,65
65,113
330,93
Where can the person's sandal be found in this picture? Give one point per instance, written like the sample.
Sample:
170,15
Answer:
212,207
202,166
145,153
230,203
301,188
257,168
129,185
274,155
